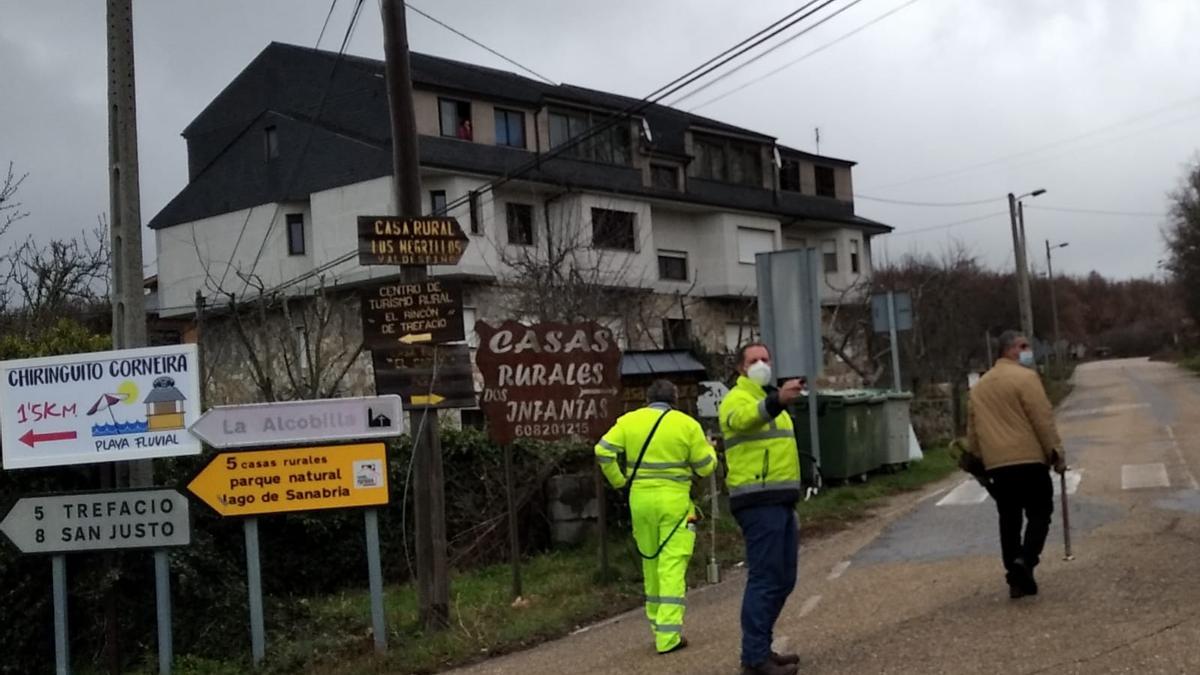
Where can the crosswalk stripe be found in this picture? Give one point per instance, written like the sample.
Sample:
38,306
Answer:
971,492
1141,476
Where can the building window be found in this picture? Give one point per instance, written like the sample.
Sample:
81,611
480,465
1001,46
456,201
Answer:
455,118
613,229
829,256
672,265
664,177
295,233
854,266
728,160
752,242
271,142
520,224
789,175
610,144
437,202
677,333
826,182
510,128
473,207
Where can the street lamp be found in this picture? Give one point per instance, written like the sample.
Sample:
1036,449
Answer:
1016,212
1054,298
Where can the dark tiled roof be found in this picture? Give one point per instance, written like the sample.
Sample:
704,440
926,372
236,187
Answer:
348,138
664,362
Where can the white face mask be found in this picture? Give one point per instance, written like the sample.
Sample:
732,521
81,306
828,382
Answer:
760,372
1026,359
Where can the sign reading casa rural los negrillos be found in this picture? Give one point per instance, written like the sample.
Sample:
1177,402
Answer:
99,407
548,381
388,240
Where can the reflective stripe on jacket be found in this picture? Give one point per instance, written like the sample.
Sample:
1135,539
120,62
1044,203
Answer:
678,449
760,448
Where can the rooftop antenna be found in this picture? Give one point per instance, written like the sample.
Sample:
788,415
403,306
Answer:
817,132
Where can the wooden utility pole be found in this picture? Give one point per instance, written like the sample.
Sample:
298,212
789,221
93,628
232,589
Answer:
1022,266
429,499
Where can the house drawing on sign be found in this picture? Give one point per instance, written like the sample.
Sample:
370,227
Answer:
164,406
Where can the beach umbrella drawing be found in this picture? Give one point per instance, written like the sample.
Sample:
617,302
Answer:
106,402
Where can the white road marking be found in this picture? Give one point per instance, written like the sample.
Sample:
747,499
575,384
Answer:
1140,476
809,605
1103,410
838,570
1187,471
1073,479
968,492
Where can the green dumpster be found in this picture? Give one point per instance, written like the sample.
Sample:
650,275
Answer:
875,419
846,431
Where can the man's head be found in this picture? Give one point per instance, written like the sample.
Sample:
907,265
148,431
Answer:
1012,343
752,353
662,391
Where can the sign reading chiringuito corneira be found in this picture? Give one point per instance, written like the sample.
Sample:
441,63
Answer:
99,407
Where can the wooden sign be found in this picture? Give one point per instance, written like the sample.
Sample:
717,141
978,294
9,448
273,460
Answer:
549,381
418,312
426,376
390,240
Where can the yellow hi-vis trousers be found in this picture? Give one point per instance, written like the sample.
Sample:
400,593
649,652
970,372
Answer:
656,511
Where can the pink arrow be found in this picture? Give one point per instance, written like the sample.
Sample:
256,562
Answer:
32,439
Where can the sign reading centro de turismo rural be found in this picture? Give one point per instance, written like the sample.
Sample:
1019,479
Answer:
99,521
420,312
389,240
99,407
548,381
258,482
294,422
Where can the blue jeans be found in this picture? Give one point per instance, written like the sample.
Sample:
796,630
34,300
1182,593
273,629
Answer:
772,552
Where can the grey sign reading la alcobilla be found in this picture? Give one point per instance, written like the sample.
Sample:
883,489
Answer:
99,521
299,422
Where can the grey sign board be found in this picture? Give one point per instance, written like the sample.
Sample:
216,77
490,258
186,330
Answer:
300,422
99,521
879,311
789,310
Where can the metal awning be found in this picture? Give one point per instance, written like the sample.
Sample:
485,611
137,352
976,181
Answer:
660,362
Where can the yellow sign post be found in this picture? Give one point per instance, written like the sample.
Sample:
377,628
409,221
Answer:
258,482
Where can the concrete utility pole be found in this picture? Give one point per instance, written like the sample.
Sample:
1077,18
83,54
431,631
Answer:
1058,357
1015,212
429,499
1027,318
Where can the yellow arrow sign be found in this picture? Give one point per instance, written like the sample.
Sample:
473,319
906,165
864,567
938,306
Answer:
431,399
413,338
301,479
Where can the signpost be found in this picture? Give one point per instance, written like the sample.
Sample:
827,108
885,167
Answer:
427,377
548,381
258,482
892,312
99,407
427,240
102,521
296,422
429,311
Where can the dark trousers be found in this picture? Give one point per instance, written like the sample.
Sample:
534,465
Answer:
1023,492
772,545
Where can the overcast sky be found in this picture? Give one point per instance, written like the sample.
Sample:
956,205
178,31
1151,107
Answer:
944,101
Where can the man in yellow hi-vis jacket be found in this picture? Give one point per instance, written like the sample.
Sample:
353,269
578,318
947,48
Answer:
662,448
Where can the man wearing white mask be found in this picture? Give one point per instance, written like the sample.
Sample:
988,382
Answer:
1011,428
764,485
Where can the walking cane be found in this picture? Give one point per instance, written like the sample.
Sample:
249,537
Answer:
1062,478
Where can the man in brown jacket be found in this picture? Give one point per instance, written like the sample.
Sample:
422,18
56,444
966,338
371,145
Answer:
1011,428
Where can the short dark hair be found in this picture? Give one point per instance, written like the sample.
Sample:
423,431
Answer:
662,391
741,357
1008,338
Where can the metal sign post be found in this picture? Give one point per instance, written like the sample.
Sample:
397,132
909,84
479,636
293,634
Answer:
892,312
891,301
258,633
375,580
514,535
62,646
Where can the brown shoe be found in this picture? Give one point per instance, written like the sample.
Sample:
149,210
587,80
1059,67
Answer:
769,667
785,659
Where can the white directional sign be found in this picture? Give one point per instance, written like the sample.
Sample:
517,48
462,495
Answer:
298,422
99,407
98,521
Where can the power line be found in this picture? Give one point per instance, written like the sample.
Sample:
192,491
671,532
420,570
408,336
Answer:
477,43
332,6
793,62
946,226
1099,212
939,204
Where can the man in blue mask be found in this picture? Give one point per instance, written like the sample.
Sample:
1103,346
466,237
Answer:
1011,428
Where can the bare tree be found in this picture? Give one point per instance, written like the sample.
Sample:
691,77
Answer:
10,208
63,277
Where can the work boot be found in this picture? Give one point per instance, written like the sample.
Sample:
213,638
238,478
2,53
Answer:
769,667
1020,580
785,659
683,643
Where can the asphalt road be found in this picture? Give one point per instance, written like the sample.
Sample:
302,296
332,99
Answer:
919,588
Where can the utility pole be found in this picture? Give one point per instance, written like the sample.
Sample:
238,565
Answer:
1022,268
1053,304
1025,288
429,499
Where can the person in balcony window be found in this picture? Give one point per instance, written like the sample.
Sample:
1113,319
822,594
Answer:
464,130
